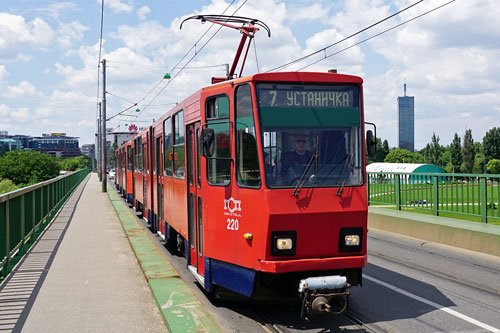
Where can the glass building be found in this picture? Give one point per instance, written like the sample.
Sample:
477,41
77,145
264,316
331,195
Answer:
406,123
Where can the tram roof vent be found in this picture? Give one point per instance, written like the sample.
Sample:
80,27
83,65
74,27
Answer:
332,71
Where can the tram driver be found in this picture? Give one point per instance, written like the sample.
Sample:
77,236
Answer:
299,156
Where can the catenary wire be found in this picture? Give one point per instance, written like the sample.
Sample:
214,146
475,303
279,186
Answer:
342,40
123,99
185,65
256,59
376,35
194,46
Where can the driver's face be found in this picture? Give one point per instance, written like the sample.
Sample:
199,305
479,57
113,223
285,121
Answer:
300,144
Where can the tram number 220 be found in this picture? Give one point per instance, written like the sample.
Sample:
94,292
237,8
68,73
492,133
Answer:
233,224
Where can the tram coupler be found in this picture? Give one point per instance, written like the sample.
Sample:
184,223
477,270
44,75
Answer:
323,295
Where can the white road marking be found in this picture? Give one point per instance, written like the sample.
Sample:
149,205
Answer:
436,305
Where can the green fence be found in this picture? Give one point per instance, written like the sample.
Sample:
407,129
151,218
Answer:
469,196
26,212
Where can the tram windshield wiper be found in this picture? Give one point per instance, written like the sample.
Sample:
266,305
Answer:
343,174
303,175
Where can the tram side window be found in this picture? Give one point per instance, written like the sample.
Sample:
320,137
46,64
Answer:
167,135
178,156
130,161
135,151
146,153
247,158
138,155
123,159
219,165
139,147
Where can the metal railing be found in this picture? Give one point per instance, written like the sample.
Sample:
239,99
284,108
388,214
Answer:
469,196
26,212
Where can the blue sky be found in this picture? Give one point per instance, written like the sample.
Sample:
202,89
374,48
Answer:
49,52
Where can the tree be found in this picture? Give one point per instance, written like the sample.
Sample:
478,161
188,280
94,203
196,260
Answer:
434,150
25,167
479,163
493,166
6,185
111,158
399,155
468,152
385,148
491,144
445,159
381,151
456,153
75,163
3,150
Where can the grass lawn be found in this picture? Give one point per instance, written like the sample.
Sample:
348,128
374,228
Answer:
460,200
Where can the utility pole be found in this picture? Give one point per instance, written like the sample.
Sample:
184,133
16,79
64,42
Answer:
99,140
103,127
93,159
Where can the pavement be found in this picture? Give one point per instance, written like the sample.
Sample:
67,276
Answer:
81,275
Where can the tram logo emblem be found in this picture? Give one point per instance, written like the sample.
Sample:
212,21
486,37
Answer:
232,205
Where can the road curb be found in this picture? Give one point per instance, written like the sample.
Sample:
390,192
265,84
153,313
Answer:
179,307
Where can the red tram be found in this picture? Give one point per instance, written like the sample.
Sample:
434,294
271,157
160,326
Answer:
260,182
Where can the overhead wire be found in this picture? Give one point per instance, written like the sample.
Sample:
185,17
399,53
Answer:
176,66
123,99
196,53
194,46
343,39
256,59
376,35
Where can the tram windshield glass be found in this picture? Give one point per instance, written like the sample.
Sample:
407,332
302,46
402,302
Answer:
311,134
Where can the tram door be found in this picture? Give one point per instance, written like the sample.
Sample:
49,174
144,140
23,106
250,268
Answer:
145,172
159,182
195,227
124,172
133,174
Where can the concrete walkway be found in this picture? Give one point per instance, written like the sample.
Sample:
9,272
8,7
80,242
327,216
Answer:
81,275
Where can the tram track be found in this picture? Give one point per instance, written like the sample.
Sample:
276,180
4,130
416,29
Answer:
270,324
356,321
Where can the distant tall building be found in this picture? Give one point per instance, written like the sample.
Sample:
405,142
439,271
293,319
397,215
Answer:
406,128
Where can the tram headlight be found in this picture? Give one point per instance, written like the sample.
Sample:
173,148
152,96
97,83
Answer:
283,243
351,240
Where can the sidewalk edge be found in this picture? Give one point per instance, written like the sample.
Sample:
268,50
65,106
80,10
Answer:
179,307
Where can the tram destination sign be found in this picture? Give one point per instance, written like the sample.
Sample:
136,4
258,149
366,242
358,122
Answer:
308,98
308,105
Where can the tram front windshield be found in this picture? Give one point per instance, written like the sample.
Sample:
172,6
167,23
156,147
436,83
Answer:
311,134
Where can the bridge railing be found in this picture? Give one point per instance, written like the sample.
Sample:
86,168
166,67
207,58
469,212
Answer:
469,196
26,212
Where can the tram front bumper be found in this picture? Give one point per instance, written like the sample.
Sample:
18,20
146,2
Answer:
314,264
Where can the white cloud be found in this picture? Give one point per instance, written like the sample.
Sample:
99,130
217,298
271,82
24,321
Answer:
16,35
143,12
313,12
145,37
118,6
82,79
55,9
70,33
23,90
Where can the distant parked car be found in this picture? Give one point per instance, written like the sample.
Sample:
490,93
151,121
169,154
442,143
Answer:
112,174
